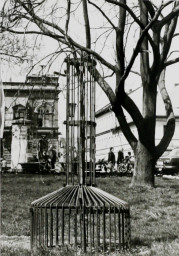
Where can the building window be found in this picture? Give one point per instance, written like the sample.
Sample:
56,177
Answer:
39,121
44,115
19,112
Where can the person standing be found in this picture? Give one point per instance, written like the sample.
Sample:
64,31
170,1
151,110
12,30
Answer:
53,156
41,147
111,159
129,162
120,159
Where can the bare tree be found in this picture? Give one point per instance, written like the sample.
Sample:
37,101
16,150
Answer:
113,22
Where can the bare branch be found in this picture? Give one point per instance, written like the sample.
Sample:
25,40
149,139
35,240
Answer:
138,46
104,15
144,57
129,105
177,34
172,53
170,16
68,16
135,72
87,24
41,22
125,127
167,38
170,62
149,7
120,41
104,86
170,124
21,58
127,8
109,75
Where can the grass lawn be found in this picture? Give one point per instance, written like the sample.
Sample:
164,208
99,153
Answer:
154,213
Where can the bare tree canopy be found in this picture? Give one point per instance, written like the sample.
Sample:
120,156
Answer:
118,34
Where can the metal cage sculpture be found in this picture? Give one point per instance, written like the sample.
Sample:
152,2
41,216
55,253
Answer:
80,214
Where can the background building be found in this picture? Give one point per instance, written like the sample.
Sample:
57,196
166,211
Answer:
108,131
31,111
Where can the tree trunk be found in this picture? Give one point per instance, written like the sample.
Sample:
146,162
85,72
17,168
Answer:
144,167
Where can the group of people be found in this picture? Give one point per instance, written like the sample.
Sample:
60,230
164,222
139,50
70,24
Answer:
120,159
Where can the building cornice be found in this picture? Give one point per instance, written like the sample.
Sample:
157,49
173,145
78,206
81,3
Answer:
117,128
29,87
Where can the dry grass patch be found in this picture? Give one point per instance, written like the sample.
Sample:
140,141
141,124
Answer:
154,212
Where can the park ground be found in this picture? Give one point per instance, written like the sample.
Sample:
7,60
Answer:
154,213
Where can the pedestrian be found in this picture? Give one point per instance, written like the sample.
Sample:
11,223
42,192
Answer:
4,164
128,157
111,159
129,161
53,157
120,159
41,147
62,160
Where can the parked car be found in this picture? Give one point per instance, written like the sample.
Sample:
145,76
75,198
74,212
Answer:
171,164
160,163
168,163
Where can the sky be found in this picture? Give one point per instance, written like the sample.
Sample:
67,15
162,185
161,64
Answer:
17,73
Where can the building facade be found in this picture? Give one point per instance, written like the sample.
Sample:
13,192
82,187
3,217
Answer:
31,112
109,134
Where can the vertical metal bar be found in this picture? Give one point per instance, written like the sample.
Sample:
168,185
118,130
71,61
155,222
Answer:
67,124
115,229
123,230
78,129
86,223
110,229
129,230
31,228
82,127
34,227
91,170
84,231
93,119
85,121
63,228
97,229
76,228
93,227
46,227
90,223
81,230
51,227
104,230
88,119
73,123
42,227
57,226
37,226
119,228
39,216
69,225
